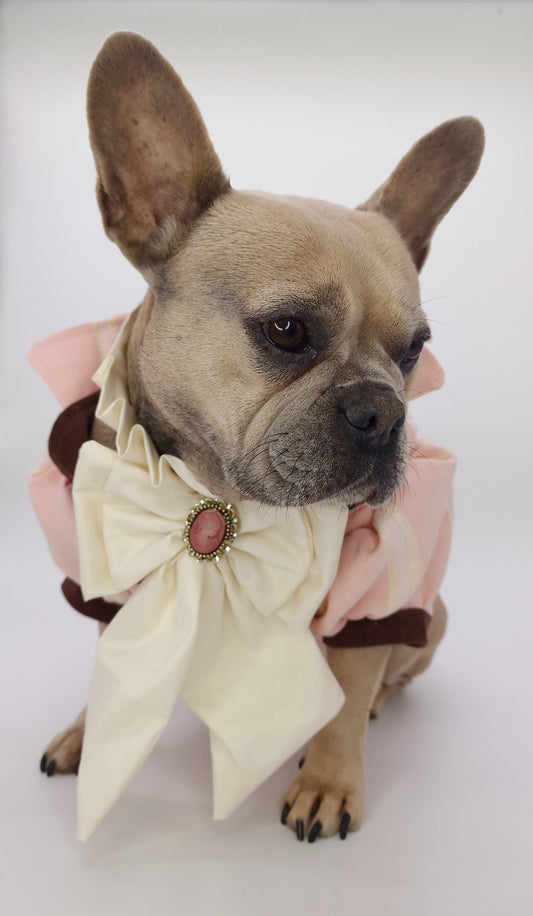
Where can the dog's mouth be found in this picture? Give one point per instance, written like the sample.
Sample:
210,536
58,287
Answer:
283,477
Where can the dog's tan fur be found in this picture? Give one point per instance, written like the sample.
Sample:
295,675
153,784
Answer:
207,383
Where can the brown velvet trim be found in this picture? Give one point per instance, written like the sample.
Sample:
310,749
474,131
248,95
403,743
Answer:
71,429
97,608
407,628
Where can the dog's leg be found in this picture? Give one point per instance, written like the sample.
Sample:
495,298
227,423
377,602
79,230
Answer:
328,795
405,663
63,753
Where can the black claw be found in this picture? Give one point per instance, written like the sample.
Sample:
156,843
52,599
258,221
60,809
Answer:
300,830
44,761
284,813
301,763
372,716
51,768
315,830
345,823
75,770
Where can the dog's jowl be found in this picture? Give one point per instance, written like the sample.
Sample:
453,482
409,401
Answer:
240,481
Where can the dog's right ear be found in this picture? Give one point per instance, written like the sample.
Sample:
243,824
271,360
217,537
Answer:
157,169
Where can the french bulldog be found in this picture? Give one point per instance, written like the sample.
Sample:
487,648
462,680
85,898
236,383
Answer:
273,351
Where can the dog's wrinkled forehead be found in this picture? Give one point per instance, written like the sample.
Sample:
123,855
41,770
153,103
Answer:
260,257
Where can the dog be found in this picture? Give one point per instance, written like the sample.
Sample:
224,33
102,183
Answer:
274,354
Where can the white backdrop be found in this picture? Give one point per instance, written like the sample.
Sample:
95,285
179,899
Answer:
317,99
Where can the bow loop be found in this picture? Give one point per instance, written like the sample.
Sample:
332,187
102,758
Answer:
279,562
126,526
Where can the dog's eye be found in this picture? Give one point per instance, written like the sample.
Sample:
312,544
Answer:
286,333
411,355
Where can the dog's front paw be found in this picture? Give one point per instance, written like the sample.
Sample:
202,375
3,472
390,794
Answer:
316,806
64,751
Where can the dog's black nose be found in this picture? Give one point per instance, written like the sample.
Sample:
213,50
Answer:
373,410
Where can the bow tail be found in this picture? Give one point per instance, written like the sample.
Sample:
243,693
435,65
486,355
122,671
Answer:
261,699
141,662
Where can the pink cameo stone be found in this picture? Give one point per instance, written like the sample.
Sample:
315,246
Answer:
207,531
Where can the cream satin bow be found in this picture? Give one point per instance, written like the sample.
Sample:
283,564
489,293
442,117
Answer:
233,636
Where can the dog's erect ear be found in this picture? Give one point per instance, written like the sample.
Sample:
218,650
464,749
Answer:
428,181
157,169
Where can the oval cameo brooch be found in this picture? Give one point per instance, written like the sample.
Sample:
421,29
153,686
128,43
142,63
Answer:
210,529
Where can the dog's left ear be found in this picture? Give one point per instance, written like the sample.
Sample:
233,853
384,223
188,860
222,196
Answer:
428,181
